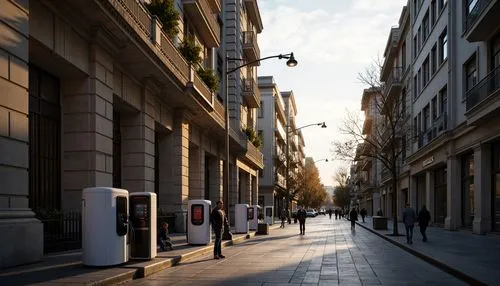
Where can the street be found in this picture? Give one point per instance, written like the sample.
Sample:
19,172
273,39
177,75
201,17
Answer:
328,254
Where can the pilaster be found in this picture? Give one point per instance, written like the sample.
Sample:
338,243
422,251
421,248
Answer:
216,179
482,189
429,192
196,173
453,189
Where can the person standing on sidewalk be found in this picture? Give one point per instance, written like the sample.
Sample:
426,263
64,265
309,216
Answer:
424,217
301,216
336,213
363,213
283,218
409,218
353,216
219,221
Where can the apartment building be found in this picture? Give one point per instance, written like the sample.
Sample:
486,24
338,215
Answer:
96,93
242,24
452,87
396,74
272,124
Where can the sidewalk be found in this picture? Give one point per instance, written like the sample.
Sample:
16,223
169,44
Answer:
67,268
470,257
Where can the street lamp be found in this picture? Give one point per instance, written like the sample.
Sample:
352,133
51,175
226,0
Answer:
287,170
291,62
326,160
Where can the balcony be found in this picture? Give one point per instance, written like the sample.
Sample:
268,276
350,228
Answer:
251,47
251,92
367,164
280,132
390,53
199,90
367,125
385,175
254,14
254,156
393,84
439,126
204,19
215,5
483,99
482,21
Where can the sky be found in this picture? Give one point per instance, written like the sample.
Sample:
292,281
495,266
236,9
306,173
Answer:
332,40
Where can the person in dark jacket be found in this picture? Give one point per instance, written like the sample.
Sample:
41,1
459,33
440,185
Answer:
218,219
336,213
424,217
409,219
283,216
301,216
363,213
353,216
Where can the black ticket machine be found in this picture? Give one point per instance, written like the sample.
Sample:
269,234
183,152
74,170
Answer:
143,225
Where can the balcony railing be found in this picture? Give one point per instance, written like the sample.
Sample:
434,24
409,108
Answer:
250,46
251,92
485,88
474,14
254,154
394,79
437,128
205,20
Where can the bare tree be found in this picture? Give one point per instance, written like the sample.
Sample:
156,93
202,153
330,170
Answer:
386,141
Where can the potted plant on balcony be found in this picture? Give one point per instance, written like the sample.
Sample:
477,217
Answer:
167,14
252,137
190,51
209,78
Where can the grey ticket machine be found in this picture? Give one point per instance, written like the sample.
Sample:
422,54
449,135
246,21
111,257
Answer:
143,225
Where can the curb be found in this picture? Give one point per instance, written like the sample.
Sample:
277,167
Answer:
446,268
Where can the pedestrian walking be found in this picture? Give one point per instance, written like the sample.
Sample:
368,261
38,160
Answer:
330,213
301,216
336,213
409,219
219,221
283,218
363,213
424,217
353,216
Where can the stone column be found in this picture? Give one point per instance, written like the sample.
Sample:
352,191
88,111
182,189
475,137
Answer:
216,182
482,189
453,189
429,192
138,146
174,166
196,173
255,189
21,234
233,191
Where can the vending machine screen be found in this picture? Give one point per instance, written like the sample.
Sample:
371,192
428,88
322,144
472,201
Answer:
197,214
250,213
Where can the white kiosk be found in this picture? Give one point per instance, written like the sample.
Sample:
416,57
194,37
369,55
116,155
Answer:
144,225
104,226
198,227
253,216
241,218
269,215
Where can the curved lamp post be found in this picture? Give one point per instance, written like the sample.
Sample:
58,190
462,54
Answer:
326,160
291,62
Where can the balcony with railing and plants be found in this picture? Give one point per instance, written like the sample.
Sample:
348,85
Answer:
250,46
487,90
481,19
254,143
393,83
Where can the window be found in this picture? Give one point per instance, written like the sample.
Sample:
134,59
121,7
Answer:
471,6
425,26
419,78
415,8
414,47
434,108
415,126
495,53
261,109
415,84
403,56
425,67
403,102
419,34
260,135
426,122
433,59
442,3
403,147
443,46
443,99
433,12
470,73
419,122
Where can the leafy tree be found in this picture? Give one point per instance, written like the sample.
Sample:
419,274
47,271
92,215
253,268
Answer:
342,192
167,14
313,193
